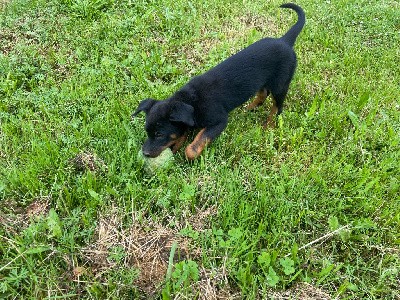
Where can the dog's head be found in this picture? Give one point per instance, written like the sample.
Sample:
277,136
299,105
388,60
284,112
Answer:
166,122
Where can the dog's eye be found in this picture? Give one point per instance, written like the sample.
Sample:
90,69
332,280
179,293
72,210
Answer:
158,135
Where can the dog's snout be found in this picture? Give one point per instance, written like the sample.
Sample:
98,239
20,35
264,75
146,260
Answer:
146,153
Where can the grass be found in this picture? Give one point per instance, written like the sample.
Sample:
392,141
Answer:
308,209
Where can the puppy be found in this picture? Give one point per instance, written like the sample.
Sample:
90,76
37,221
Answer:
265,67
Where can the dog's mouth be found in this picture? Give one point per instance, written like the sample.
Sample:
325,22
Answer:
172,146
154,154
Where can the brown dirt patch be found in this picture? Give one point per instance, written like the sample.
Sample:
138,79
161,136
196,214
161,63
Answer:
15,218
39,207
148,249
19,33
200,220
88,161
301,291
212,285
11,38
146,246
3,4
25,32
267,25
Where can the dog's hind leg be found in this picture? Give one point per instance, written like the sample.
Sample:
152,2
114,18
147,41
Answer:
259,99
276,108
204,138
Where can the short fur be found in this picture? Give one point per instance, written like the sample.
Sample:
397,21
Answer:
263,68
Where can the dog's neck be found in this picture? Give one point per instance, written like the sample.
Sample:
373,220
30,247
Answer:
185,95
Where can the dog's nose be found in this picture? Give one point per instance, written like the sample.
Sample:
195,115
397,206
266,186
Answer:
146,153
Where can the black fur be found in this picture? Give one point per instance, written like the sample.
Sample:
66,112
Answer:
205,101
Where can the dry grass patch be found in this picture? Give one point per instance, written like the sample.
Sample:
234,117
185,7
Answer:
39,207
25,31
29,31
214,285
9,38
301,291
15,218
262,23
3,4
88,161
235,33
199,221
146,246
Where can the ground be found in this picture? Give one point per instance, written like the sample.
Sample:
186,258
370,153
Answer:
307,210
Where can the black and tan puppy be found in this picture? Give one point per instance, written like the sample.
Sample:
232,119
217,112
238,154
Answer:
265,67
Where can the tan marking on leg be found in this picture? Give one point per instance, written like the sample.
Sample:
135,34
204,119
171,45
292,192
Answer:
259,100
272,113
179,142
166,146
196,147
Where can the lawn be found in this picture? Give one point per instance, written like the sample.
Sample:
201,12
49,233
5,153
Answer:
307,210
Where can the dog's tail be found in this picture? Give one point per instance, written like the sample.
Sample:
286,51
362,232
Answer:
291,35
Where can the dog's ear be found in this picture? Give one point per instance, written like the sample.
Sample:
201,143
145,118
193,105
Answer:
145,106
182,112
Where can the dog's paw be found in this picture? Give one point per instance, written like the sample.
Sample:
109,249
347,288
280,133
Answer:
191,153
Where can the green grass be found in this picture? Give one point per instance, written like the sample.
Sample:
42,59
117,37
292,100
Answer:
72,72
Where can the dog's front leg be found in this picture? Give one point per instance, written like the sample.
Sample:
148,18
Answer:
202,139
179,142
